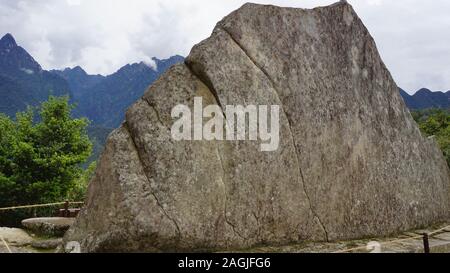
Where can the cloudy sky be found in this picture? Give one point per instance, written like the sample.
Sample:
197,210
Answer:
103,35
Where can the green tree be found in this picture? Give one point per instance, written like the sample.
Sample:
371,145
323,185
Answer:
443,139
40,157
436,122
78,191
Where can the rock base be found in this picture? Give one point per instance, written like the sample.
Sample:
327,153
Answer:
407,242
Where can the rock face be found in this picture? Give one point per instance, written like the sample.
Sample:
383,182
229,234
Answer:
352,163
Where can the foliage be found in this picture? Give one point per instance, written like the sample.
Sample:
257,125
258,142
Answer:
78,191
98,136
40,157
436,122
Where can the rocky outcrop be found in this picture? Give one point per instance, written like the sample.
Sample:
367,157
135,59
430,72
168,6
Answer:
351,162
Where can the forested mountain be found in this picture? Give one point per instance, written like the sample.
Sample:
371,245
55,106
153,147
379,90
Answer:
426,99
22,80
102,99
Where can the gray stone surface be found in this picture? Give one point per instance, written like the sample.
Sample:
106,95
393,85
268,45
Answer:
367,169
51,226
15,236
439,243
352,162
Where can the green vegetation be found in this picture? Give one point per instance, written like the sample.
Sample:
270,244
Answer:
436,122
79,189
98,136
41,157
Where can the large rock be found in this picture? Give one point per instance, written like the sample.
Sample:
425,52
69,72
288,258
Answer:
352,163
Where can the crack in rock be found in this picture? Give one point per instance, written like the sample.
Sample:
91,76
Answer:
197,72
126,126
289,123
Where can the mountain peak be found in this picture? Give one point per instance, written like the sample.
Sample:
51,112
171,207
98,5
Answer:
424,98
8,41
424,91
77,69
15,58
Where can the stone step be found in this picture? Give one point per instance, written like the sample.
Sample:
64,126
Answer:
51,226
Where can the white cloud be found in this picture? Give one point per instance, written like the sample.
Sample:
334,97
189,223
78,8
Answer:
73,2
103,35
150,63
27,71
